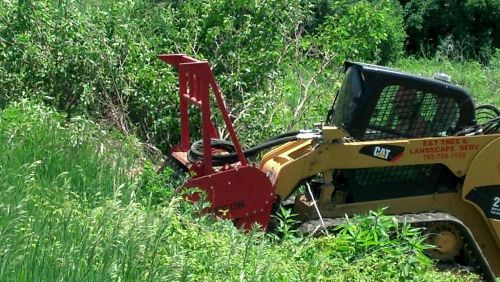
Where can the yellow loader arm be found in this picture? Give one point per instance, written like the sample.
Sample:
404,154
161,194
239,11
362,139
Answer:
472,161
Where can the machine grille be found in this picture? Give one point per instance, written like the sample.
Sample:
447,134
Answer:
408,113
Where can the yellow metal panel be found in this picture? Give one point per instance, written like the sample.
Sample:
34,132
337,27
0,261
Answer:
289,164
476,157
485,168
485,171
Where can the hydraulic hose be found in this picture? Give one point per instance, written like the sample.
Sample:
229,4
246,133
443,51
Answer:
196,151
490,127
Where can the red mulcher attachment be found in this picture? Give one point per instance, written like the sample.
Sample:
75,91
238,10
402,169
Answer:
239,192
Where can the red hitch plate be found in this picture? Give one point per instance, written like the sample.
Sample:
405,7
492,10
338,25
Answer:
244,195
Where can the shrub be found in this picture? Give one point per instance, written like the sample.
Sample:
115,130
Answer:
369,31
364,30
466,29
100,58
376,240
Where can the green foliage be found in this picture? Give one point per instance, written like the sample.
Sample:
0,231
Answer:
285,226
363,30
339,30
100,58
155,186
73,206
247,44
469,29
242,39
378,241
37,144
89,59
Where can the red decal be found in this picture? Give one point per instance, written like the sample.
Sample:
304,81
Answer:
441,149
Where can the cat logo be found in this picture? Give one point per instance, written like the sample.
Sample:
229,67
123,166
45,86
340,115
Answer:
381,153
391,153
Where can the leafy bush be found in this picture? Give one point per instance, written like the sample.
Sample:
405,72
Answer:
363,30
100,58
378,241
244,40
88,60
369,31
466,29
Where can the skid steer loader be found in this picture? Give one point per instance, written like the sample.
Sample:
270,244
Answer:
391,139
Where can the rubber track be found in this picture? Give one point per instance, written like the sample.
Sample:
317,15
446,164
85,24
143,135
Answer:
420,219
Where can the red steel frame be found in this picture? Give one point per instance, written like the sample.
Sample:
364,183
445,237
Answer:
195,81
240,192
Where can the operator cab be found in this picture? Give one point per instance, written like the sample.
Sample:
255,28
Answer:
378,103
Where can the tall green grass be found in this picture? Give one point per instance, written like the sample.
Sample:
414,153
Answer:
76,204
54,182
482,82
